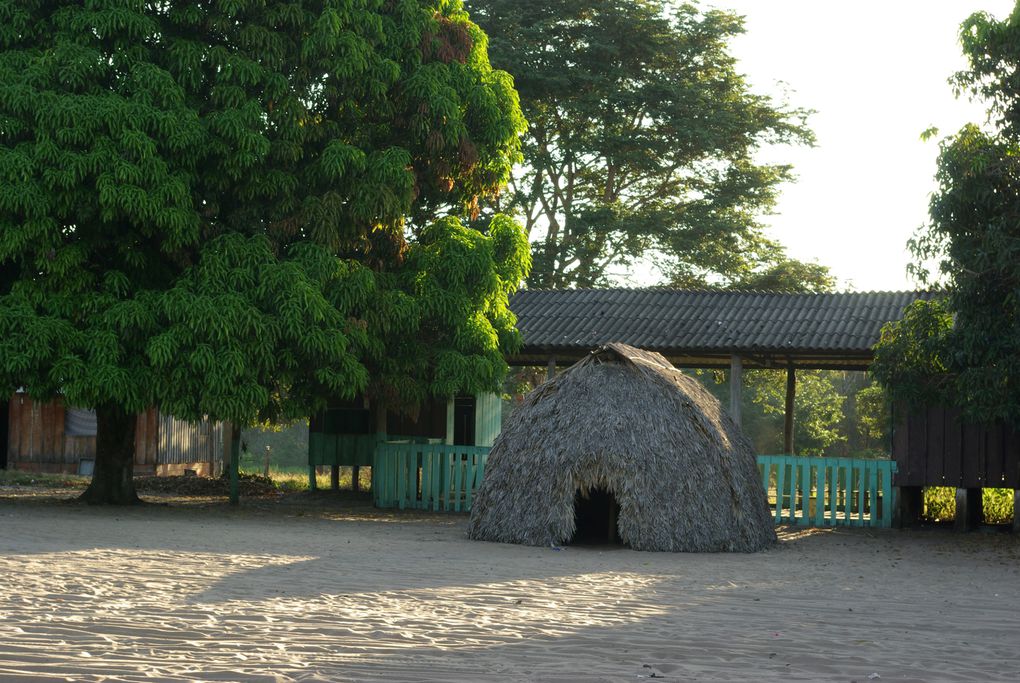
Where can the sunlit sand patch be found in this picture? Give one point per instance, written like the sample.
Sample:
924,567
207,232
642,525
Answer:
173,614
792,533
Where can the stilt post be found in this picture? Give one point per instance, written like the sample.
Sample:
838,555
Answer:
736,387
791,393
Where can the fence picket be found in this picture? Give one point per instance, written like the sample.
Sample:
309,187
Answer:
873,495
470,487
780,471
860,493
426,478
887,497
438,460
805,492
456,482
401,478
819,493
833,493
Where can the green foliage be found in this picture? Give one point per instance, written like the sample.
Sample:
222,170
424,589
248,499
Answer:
228,208
967,350
818,408
641,138
783,274
940,504
912,357
828,419
288,446
873,416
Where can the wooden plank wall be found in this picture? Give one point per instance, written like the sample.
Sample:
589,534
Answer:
36,436
934,447
146,441
36,439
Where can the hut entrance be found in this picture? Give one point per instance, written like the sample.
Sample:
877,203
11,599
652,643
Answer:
595,515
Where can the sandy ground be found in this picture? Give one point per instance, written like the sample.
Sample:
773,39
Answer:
281,593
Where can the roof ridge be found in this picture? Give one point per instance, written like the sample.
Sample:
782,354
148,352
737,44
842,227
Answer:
708,290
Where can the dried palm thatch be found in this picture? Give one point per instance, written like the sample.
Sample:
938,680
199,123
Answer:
625,421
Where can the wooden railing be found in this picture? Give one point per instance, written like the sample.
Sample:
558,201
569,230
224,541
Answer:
828,491
434,477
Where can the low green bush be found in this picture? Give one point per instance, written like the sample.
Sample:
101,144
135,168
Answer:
940,504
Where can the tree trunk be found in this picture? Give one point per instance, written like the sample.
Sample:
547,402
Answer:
113,476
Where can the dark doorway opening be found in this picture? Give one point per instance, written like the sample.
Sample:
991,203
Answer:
595,516
5,422
464,421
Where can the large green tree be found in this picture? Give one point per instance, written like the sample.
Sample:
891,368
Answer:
641,140
226,208
965,349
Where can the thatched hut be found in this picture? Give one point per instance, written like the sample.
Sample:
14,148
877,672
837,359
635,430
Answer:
625,441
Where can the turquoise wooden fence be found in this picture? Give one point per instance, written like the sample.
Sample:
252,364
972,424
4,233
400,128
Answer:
434,477
828,491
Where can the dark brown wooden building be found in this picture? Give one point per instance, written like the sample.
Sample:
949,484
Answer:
934,446
52,437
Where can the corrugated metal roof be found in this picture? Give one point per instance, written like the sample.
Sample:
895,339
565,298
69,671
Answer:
711,322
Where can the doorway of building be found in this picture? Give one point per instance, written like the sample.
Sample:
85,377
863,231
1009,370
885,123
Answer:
464,421
595,516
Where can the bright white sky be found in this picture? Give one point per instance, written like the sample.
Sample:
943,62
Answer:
875,71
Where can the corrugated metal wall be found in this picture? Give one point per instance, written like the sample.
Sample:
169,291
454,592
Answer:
182,442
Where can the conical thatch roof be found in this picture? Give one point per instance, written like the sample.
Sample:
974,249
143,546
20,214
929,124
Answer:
627,421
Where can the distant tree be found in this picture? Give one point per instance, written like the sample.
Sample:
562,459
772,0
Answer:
966,350
912,357
223,208
872,413
787,275
641,138
818,410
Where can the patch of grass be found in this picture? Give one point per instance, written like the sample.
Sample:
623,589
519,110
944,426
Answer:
249,485
294,479
43,480
940,504
253,482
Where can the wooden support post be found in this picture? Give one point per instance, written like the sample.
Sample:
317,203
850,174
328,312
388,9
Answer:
355,478
1016,511
235,463
791,393
910,500
968,509
334,477
736,388
550,368
379,416
312,483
